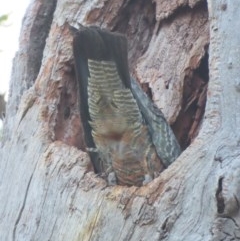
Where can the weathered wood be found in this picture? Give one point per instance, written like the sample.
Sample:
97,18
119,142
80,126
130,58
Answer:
2,106
47,188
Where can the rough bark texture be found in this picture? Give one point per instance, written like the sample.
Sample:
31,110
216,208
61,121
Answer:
47,188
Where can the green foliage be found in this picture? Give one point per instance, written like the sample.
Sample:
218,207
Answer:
3,18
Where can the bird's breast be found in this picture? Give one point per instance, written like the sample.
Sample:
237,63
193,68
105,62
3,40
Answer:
117,126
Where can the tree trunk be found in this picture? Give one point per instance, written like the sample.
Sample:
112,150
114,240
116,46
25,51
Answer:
48,190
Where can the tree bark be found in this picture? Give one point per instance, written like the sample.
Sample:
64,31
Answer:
48,190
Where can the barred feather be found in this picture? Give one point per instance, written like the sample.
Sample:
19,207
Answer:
131,136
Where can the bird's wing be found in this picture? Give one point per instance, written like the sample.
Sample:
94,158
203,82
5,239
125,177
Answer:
163,138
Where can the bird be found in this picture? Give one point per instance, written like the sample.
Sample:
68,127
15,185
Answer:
128,138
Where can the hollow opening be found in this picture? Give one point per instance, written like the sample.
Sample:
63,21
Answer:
188,122
136,20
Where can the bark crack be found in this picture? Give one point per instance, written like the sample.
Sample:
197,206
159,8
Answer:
237,201
22,208
95,220
50,238
47,188
219,197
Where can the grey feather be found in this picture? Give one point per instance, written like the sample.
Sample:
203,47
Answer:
163,138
